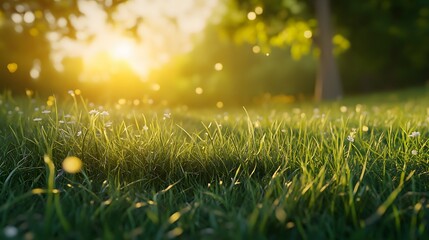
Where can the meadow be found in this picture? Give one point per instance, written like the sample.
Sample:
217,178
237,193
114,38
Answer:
351,169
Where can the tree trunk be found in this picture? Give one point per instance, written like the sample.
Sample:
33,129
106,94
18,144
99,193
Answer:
328,84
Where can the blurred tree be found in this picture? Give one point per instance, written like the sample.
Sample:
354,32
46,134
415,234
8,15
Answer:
233,74
99,32
389,43
293,23
24,42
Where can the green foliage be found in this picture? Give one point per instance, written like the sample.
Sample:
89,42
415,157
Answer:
351,169
388,43
379,45
285,24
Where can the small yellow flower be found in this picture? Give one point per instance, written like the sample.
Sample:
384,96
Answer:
72,164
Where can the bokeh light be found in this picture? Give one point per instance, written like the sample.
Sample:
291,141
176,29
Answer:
72,164
251,16
199,90
218,66
256,49
308,34
12,67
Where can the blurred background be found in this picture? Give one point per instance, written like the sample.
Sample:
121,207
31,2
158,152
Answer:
208,52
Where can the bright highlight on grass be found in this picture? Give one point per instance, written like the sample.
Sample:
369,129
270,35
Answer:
72,164
288,166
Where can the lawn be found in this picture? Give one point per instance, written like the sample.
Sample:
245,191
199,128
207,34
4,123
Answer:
352,169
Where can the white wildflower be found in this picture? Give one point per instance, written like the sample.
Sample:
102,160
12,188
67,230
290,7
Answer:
145,128
94,112
414,152
10,231
414,134
108,124
104,113
37,119
46,111
350,138
167,115
79,133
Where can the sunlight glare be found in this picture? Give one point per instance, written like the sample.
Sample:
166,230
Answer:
153,43
122,50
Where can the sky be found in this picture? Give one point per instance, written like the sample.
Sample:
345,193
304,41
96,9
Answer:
166,28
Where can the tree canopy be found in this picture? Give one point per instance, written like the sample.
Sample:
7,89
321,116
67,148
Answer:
377,44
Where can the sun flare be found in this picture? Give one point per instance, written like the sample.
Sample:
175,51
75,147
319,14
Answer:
107,48
122,50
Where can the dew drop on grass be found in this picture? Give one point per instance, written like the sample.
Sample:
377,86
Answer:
280,214
175,233
37,191
290,225
174,217
139,204
107,202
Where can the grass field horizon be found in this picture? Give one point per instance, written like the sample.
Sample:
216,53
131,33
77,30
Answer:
350,169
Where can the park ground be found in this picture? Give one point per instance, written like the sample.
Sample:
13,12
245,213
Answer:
351,169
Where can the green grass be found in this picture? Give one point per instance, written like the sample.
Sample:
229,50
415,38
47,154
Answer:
272,172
